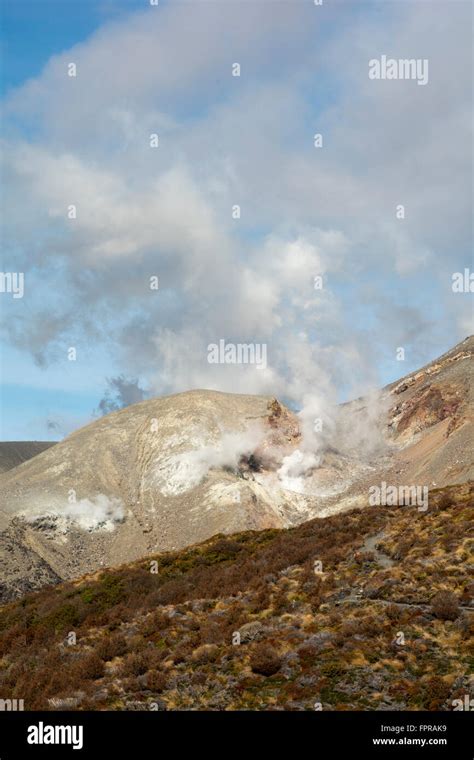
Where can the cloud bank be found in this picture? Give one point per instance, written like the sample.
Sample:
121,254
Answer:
252,232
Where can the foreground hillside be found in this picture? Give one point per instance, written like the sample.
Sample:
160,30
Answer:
371,609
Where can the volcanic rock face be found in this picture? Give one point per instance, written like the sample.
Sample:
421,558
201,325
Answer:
428,428
432,419
170,472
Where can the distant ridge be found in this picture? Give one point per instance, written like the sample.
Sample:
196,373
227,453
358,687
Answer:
13,453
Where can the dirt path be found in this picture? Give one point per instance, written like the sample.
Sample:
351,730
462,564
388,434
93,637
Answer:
370,545
357,598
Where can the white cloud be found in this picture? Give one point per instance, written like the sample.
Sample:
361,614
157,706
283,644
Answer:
247,140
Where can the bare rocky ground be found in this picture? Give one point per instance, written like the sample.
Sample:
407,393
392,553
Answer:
170,472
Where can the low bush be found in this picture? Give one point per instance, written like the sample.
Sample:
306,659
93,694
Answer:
88,668
111,646
445,605
156,681
265,660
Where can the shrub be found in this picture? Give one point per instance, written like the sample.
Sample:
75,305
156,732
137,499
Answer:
264,660
436,692
104,594
88,668
315,601
281,603
182,652
198,679
393,612
156,681
308,655
226,547
206,653
210,633
63,618
136,664
445,605
154,623
446,501
261,601
111,646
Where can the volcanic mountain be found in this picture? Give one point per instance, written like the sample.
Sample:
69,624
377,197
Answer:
170,472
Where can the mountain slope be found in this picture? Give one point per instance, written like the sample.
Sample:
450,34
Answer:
166,473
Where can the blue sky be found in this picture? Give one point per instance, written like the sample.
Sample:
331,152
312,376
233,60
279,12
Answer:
227,140
35,30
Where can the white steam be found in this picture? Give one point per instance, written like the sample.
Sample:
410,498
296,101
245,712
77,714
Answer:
351,431
101,513
183,471
294,469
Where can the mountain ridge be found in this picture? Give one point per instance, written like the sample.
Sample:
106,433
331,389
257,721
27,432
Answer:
14,453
